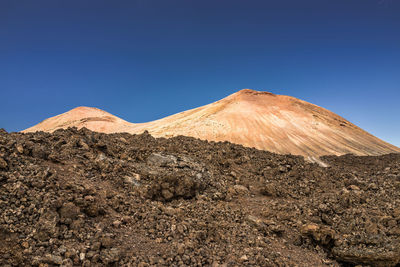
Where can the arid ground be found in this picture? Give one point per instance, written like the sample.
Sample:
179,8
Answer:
82,198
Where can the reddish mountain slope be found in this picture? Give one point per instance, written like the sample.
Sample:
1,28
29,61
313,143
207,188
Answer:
277,123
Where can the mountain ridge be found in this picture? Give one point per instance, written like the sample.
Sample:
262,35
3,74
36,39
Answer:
277,123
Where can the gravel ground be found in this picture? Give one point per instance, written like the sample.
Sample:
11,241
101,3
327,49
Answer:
80,198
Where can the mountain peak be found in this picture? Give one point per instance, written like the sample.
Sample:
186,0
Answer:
250,92
83,108
87,111
92,118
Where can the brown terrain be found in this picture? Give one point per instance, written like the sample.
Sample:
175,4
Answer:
277,123
76,197
82,198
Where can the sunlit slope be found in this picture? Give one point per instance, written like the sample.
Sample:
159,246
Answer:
276,123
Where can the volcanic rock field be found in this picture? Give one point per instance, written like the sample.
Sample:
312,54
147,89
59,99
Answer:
82,198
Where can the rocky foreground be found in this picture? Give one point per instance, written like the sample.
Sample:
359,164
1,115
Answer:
81,198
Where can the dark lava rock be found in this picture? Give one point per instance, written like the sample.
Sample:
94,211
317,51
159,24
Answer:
3,164
69,212
81,198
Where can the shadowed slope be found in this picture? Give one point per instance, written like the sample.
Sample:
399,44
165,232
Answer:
277,123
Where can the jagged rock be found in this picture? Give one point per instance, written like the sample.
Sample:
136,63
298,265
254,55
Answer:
133,180
110,255
321,234
47,225
161,160
69,212
53,259
269,190
3,164
368,256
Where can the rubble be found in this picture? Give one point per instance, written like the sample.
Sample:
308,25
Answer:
81,198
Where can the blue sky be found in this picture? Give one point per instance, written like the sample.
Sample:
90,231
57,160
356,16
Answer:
143,60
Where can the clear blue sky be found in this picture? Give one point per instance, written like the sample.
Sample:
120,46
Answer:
143,60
